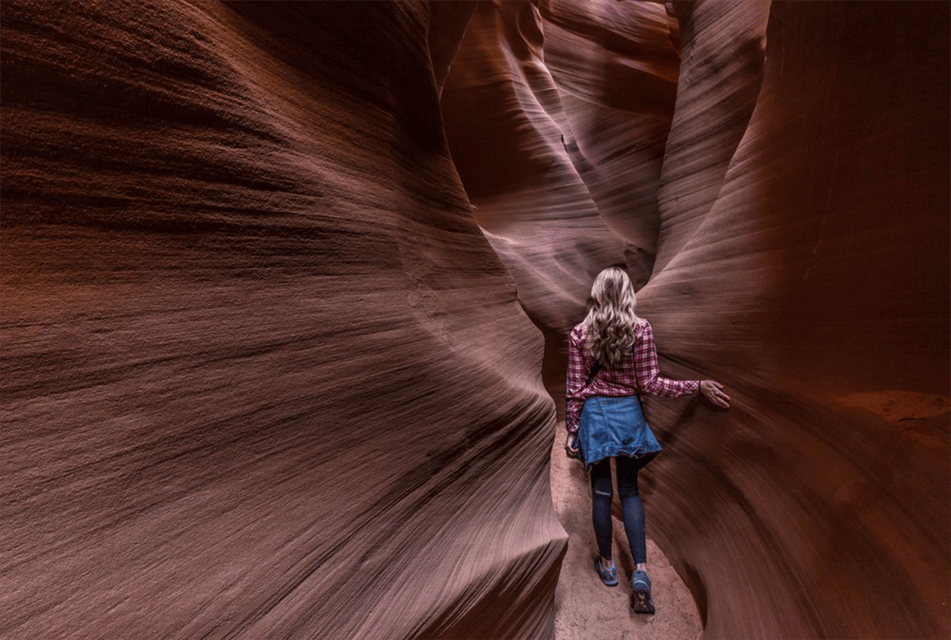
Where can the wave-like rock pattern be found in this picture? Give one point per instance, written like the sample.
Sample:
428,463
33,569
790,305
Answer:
507,131
263,376
557,116
816,274
506,128
616,66
799,204
722,57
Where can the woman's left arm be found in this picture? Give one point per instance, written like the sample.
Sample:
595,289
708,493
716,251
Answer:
647,369
650,380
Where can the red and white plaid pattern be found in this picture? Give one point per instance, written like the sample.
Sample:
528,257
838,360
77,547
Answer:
639,373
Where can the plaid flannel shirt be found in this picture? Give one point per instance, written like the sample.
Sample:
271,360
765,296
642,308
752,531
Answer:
639,373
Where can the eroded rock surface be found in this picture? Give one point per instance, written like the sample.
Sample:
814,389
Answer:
268,269
263,377
819,271
799,202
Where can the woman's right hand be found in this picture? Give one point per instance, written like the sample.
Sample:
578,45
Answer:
571,446
713,391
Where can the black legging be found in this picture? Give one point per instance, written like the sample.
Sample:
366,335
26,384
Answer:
631,507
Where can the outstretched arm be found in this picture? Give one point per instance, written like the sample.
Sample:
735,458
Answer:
650,381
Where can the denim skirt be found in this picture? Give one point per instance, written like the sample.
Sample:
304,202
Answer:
612,427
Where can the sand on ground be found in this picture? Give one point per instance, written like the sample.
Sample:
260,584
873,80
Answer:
585,609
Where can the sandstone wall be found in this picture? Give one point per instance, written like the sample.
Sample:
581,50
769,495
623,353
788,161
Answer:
269,279
786,214
815,283
263,376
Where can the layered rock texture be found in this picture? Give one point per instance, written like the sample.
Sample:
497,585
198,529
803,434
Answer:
285,288
777,176
263,376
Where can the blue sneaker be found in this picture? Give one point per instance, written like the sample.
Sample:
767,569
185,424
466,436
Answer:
641,593
608,576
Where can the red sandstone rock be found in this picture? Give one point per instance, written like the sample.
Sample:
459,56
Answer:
790,265
723,51
616,67
263,375
506,129
820,270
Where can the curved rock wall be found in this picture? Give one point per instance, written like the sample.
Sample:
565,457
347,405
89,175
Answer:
723,52
796,189
556,114
262,374
816,286
506,129
265,376
616,66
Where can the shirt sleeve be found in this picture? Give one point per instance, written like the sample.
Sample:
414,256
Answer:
649,379
574,384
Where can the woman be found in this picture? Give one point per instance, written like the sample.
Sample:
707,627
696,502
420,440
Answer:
611,359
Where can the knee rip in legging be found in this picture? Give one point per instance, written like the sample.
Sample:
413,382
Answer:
605,494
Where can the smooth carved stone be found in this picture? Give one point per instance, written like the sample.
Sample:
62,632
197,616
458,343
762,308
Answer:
525,105
263,376
723,52
506,129
616,66
815,284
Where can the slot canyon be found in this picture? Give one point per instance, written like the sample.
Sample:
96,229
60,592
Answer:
286,289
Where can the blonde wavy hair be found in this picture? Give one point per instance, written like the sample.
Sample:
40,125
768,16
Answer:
611,320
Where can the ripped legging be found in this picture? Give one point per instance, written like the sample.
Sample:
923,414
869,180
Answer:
631,507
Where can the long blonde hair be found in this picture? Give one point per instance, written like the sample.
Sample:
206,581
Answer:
611,320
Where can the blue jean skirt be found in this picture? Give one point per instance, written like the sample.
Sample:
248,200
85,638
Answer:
612,427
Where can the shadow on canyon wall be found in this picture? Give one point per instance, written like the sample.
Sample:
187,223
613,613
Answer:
273,276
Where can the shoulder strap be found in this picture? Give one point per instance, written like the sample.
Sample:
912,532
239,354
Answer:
594,371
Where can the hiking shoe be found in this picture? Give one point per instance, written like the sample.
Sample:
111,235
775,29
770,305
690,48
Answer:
608,576
641,600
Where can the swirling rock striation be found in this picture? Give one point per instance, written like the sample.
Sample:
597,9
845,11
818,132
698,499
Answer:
818,274
556,115
787,218
263,375
267,370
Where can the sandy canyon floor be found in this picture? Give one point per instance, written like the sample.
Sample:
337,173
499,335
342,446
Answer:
584,608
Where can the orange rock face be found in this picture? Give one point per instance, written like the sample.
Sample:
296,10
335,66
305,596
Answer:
273,276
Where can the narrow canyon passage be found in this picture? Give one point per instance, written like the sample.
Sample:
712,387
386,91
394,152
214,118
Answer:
699,145
584,608
285,287
525,173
